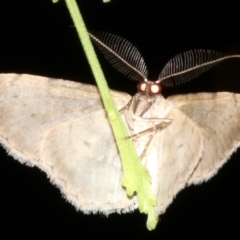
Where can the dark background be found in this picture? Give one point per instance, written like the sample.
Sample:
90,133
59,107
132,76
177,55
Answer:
38,37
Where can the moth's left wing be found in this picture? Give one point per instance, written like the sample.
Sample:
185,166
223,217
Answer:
218,116
62,128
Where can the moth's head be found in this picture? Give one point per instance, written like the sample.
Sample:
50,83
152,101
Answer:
149,88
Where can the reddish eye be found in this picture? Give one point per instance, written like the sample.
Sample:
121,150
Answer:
155,89
142,86
150,88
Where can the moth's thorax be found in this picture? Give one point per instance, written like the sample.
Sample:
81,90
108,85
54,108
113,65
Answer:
145,112
146,106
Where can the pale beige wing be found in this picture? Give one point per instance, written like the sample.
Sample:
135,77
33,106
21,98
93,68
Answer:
175,152
33,109
81,157
218,116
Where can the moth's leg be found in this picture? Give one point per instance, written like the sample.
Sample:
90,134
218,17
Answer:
148,146
164,123
129,120
127,116
125,107
152,134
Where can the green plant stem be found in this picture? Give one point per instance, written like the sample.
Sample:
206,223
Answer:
135,177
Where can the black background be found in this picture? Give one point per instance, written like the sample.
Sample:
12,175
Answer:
38,37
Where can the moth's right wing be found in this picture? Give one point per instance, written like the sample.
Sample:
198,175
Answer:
218,118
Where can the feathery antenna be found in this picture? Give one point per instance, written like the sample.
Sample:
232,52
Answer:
123,55
127,59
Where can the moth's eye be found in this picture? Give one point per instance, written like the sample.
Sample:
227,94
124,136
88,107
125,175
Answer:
155,88
142,86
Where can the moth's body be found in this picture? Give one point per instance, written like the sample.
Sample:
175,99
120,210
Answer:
145,117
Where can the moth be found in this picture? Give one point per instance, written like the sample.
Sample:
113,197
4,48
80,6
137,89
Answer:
181,140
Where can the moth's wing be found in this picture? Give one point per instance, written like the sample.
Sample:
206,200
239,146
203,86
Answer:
82,158
31,105
34,109
174,155
218,116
